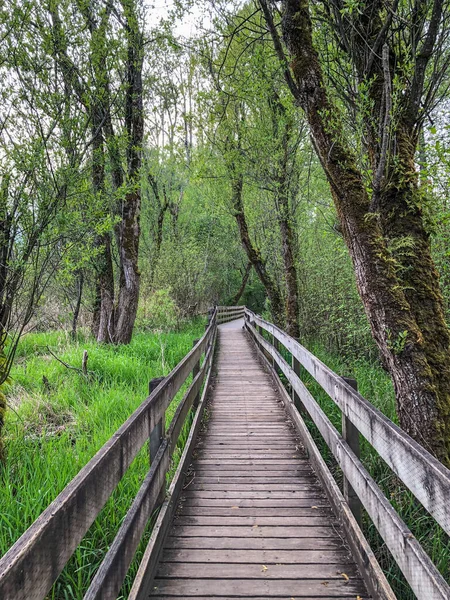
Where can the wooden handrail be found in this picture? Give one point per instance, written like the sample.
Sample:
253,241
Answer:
229,313
31,566
428,479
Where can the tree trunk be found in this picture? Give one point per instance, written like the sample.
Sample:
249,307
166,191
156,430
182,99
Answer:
129,227
407,324
104,317
290,271
253,254
76,312
287,237
245,279
106,331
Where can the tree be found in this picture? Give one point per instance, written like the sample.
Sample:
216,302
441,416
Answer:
113,319
255,131
392,61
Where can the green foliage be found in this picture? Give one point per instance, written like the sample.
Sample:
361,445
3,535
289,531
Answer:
159,311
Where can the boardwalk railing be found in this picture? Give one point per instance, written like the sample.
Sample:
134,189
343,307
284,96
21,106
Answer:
420,472
229,313
29,569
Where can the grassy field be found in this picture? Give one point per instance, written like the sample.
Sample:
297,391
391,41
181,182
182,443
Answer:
58,419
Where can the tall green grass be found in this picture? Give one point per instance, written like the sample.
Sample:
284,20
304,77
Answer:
58,419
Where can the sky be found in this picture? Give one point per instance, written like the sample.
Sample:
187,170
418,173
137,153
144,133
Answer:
186,27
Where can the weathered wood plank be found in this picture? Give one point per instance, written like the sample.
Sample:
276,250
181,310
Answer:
254,543
326,531
256,521
259,557
323,571
284,512
308,492
326,588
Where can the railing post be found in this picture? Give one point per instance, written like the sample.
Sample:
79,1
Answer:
195,372
351,435
157,435
296,367
276,345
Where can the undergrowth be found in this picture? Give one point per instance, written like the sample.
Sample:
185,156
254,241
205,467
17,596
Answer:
58,419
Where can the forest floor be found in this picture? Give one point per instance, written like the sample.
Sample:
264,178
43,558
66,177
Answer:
58,418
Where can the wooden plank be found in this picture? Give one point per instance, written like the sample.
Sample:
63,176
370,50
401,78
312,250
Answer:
323,571
256,521
308,492
259,557
326,531
254,543
278,513
166,597
220,478
255,503
326,588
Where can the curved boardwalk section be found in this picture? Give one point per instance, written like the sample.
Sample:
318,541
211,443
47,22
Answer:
254,521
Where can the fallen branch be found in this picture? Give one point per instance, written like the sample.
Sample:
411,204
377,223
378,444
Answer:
83,370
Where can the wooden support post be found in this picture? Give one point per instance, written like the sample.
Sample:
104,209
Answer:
260,331
276,345
351,435
195,371
157,436
296,366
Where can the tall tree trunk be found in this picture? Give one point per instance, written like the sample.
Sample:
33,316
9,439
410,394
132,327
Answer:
290,271
287,236
273,293
407,324
104,317
129,227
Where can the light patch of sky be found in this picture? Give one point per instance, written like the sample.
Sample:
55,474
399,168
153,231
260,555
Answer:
188,26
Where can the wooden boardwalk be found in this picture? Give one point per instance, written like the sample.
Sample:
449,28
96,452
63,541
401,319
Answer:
253,521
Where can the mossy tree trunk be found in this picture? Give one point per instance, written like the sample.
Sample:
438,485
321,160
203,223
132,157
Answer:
386,237
129,226
253,254
285,167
